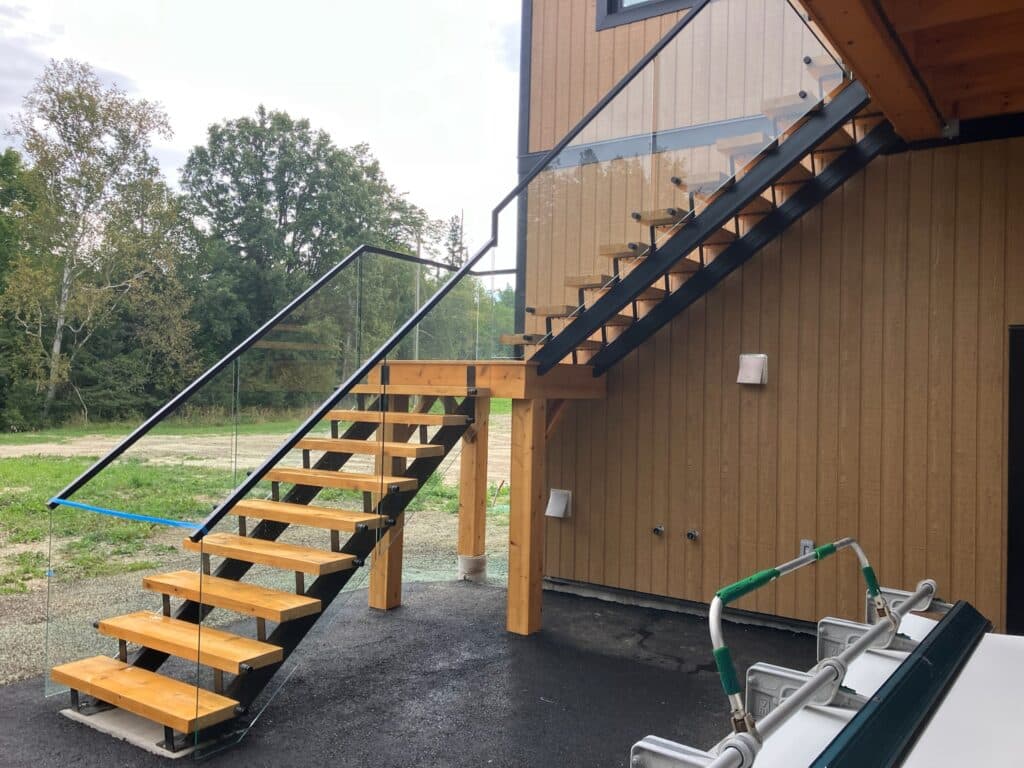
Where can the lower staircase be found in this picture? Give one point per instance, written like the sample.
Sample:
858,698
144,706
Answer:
406,432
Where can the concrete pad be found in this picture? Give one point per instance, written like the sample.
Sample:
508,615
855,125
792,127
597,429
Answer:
126,726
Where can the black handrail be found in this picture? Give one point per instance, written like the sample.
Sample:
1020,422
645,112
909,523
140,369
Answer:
174,403
317,416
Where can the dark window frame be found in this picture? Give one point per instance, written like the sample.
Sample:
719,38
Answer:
610,13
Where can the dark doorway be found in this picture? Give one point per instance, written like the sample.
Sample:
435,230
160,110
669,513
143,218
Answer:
1015,521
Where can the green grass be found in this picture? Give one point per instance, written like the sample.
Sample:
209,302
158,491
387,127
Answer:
132,486
200,426
20,568
171,428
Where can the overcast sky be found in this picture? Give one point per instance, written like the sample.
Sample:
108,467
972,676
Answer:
430,85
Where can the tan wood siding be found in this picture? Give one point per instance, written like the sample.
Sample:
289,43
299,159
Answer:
884,313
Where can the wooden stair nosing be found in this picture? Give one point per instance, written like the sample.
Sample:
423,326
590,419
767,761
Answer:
589,281
164,700
194,642
305,514
238,596
288,557
397,417
357,481
370,447
423,390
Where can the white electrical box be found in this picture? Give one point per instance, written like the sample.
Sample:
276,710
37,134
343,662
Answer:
753,369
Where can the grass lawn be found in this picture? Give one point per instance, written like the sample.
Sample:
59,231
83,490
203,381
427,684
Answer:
499,406
91,544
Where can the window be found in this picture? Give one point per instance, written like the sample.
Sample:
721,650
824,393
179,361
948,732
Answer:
611,13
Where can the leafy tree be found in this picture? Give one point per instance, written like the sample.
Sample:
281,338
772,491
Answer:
103,226
279,203
15,202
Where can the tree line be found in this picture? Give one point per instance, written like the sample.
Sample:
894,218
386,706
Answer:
116,288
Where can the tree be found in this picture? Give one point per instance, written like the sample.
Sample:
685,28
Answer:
454,245
285,200
15,203
102,228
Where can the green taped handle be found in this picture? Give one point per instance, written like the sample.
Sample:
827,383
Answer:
824,551
726,671
872,580
735,591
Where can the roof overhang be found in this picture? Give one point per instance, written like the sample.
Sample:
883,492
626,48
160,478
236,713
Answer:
928,63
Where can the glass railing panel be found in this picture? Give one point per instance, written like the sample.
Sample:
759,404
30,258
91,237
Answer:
704,109
328,502
108,578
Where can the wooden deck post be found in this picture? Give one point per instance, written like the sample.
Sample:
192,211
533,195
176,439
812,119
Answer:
385,590
526,518
473,496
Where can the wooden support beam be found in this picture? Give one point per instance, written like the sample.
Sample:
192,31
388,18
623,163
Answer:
473,494
862,38
386,572
526,517
911,15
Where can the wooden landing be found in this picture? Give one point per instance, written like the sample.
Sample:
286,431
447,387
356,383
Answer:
517,379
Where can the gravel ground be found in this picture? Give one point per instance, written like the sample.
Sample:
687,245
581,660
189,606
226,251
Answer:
32,644
215,451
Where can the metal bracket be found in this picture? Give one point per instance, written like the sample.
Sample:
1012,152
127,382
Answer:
836,635
896,597
655,752
768,686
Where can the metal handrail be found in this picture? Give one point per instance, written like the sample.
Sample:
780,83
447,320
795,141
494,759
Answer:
175,402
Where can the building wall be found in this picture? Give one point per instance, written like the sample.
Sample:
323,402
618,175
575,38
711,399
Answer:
884,315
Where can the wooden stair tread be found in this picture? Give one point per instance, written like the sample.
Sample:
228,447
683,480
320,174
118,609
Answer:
172,703
213,647
238,596
553,310
621,250
424,390
659,217
357,481
398,417
370,447
792,104
746,144
684,266
590,345
824,67
288,557
647,294
304,514
588,281
702,182
517,339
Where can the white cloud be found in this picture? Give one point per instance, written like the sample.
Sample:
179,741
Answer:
431,85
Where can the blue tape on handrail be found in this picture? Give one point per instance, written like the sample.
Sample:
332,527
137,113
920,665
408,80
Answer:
125,515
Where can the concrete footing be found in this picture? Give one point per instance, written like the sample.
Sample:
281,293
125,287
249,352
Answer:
473,568
144,734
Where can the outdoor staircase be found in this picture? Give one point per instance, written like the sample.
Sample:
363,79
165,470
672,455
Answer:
436,416
682,252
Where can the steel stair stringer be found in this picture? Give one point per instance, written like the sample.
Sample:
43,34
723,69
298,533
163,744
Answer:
816,127
853,160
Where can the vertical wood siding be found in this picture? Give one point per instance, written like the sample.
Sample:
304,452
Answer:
884,313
